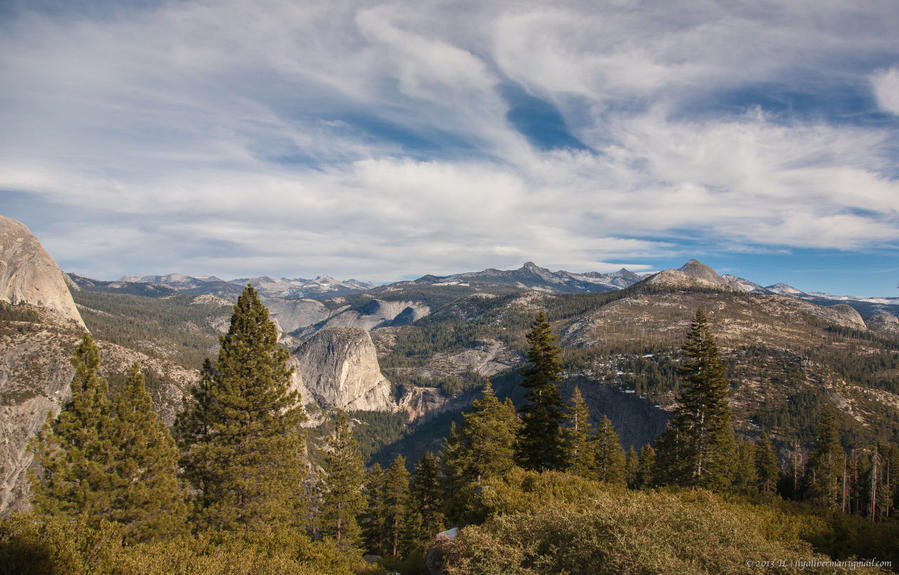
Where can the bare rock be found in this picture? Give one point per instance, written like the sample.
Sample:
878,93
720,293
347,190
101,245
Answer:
338,368
28,274
883,322
842,314
423,402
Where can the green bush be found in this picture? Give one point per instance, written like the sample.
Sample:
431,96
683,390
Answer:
557,523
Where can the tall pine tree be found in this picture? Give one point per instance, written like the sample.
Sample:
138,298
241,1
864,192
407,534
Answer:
343,500
647,467
698,447
244,446
578,434
489,434
767,468
149,500
110,460
76,450
483,448
540,444
396,502
425,518
610,459
825,468
374,520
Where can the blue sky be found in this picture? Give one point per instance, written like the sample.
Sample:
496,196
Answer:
384,141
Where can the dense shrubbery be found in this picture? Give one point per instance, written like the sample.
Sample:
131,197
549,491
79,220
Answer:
62,547
555,522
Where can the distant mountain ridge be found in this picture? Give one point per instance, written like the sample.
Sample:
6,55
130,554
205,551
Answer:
169,284
532,276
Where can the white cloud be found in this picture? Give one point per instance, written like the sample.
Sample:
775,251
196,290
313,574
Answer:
886,89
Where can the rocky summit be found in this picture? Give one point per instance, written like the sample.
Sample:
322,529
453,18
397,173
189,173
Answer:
338,368
29,275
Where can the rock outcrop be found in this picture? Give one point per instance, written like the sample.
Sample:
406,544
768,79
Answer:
337,368
379,313
883,322
35,378
692,275
842,314
29,275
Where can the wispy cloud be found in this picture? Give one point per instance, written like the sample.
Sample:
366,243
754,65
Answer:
383,140
886,89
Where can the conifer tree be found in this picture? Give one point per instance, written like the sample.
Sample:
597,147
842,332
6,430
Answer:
482,448
825,467
745,474
148,501
76,449
343,499
425,518
110,460
396,501
452,464
610,461
767,469
374,520
489,432
698,447
578,434
632,468
646,469
540,444
192,428
246,457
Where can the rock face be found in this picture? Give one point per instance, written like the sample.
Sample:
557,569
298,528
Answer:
28,274
378,313
338,368
35,377
883,322
842,314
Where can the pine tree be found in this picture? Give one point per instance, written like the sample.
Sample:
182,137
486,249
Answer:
745,474
452,465
245,449
481,449
698,447
192,428
76,450
632,468
646,470
610,462
578,436
374,520
825,468
767,469
110,460
540,443
396,501
425,503
343,499
148,500
489,432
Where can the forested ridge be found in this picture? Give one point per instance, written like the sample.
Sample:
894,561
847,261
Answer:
535,487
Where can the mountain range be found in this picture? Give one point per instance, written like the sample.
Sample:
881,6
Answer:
528,276
409,356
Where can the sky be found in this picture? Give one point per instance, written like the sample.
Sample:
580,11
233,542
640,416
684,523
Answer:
385,141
